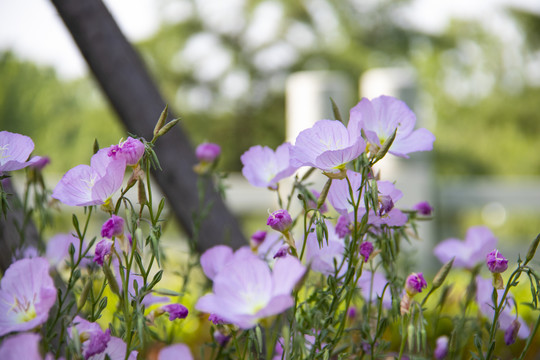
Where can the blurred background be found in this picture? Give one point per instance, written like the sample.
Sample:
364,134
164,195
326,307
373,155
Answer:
242,72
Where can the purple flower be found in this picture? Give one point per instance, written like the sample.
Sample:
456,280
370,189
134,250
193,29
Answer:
342,226
130,150
423,208
496,262
14,151
27,293
103,248
175,352
258,237
21,346
216,320
484,290
380,117
214,259
441,349
94,340
387,215
265,168
245,290
415,283
339,195
328,146
113,227
366,248
352,312
58,249
207,152
479,240
91,185
511,333
280,220
322,258
372,286
176,311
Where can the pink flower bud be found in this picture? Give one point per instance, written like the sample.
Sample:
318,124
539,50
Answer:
366,248
342,226
130,150
415,283
207,152
511,332
103,248
258,237
113,227
423,208
280,220
496,262
176,311
441,349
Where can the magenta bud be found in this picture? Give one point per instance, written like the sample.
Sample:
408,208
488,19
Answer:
511,333
282,252
366,248
496,262
441,349
258,237
415,283
113,227
423,208
176,311
207,152
280,220
342,226
131,150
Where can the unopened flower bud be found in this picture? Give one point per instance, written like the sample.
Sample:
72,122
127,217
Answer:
113,227
280,220
207,152
423,208
366,248
282,252
131,150
386,204
176,311
221,338
496,262
415,283
258,238
511,333
103,248
342,226
442,273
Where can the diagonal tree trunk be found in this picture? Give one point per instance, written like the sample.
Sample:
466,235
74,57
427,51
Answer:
138,103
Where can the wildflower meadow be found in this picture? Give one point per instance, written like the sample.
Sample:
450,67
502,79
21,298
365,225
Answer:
327,276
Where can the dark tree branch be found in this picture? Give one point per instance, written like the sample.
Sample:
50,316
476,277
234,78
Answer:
137,101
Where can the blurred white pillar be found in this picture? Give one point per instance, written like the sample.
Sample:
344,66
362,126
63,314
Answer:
413,176
308,96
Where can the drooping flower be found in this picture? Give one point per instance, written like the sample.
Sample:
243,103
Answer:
40,163
207,152
380,117
14,151
328,146
175,352
366,248
91,185
484,290
511,333
441,348
496,262
22,346
423,208
245,290
131,150
27,293
114,226
263,167
479,241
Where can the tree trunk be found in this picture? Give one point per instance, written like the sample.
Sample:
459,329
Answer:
137,101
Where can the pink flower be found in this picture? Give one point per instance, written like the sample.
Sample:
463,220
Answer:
328,146
322,258
496,262
22,346
175,352
380,117
14,151
27,293
58,249
263,167
91,185
372,286
245,290
130,150
207,152
479,241
114,226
